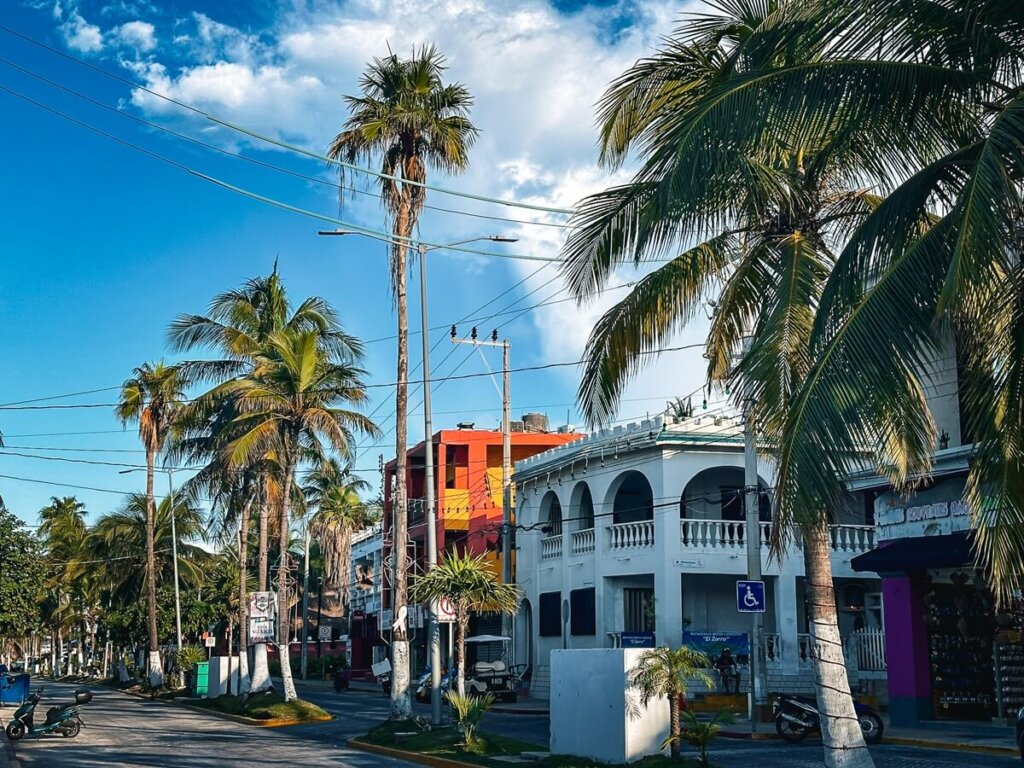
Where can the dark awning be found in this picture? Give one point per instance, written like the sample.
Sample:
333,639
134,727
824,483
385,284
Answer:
917,554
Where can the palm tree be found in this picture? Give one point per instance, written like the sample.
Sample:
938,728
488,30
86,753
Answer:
289,408
665,671
768,216
411,119
152,397
470,585
237,326
62,527
334,491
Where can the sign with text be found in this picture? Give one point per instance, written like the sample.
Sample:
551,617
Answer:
261,631
750,597
324,633
263,605
711,644
637,639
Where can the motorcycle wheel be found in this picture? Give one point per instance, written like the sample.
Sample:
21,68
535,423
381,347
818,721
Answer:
15,730
788,731
872,726
70,730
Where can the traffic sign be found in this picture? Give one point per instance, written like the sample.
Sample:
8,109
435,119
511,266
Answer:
750,597
324,633
211,641
444,611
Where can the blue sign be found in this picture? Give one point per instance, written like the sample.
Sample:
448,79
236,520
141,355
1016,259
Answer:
750,597
637,639
711,644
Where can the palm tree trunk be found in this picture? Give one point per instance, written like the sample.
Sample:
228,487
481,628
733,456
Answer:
287,683
58,649
260,668
401,703
841,733
461,628
156,672
673,724
243,600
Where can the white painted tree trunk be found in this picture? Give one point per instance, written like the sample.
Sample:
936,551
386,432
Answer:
260,670
287,680
156,670
244,683
401,703
841,734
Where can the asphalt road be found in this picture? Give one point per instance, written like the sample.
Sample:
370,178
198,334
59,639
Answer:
127,732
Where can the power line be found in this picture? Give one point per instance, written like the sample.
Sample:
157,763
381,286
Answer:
269,200
257,162
275,142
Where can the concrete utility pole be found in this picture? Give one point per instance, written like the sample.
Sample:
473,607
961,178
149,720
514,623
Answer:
753,508
304,652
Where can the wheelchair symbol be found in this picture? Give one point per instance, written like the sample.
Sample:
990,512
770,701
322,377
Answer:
750,599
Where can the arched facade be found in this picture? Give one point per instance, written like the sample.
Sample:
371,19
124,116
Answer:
581,508
551,513
717,493
630,498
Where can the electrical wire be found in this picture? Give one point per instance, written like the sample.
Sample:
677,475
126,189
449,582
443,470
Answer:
275,142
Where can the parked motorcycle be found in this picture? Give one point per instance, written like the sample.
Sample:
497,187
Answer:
64,720
423,685
798,716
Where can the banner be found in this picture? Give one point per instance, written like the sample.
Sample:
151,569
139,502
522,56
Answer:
712,643
261,631
263,605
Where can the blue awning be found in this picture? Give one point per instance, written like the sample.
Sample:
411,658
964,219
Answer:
920,553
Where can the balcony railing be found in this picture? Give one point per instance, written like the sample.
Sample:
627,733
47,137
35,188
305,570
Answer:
631,535
732,535
852,538
551,547
583,541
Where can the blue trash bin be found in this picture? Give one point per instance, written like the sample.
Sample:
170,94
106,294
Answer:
14,688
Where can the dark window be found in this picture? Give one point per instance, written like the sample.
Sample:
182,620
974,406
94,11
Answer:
582,612
550,623
732,503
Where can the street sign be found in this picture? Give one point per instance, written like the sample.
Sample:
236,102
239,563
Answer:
750,597
444,611
211,641
324,633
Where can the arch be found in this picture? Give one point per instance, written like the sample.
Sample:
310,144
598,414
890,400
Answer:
551,513
524,634
717,493
581,507
632,499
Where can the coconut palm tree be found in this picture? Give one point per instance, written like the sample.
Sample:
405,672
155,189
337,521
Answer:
62,528
768,218
152,397
289,408
470,585
411,120
334,491
665,671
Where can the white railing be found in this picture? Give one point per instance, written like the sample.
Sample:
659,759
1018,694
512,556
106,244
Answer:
869,647
631,535
852,538
806,650
718,534
583,541
771,650
551,547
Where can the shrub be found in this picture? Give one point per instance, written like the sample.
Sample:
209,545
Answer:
189,657
700,734
467,711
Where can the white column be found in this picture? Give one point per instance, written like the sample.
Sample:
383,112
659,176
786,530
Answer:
786,621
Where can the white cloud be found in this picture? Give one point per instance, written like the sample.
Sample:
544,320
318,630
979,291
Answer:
79,34
140,35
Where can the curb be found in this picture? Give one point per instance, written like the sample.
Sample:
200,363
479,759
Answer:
252,721
411,757
979,749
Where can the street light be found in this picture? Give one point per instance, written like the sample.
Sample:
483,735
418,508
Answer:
174,555
428,440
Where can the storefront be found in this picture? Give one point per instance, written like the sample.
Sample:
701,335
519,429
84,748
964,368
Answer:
951,655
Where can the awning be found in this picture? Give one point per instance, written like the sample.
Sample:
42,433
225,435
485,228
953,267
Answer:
918,554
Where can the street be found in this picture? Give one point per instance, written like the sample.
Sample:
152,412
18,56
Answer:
126,732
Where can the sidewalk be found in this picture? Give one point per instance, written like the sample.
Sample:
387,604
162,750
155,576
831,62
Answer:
7,758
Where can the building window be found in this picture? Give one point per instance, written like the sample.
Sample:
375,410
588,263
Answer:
583,612
639,609
550,623
732,502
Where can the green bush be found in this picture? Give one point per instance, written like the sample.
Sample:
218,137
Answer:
467,711
189,657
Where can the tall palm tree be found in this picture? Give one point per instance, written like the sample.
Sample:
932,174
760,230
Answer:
665,671
152,397
62,527
289,408
237,327
334,491
768,217
409,118
469,584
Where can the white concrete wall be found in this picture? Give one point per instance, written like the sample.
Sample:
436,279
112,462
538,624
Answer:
591,708
218,682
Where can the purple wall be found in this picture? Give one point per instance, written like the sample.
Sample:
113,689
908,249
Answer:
906,648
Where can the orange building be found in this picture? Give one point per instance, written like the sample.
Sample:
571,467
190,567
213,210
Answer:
468,492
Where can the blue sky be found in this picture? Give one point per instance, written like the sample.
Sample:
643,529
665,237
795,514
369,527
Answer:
103,245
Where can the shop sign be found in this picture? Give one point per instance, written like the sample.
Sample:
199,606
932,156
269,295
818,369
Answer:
928,512
637,639
959,508
890,516
712,643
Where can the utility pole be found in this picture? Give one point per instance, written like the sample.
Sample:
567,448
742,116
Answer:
174,554
753,530
433,630
506,458
304,652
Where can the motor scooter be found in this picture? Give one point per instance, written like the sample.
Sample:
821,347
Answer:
64,720
424,685
798,716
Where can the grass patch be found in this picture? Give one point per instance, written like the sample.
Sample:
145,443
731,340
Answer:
264,706
444,742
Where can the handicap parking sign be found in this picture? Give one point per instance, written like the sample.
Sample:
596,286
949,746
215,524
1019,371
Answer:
750,597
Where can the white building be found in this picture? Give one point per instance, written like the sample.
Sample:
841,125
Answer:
642,528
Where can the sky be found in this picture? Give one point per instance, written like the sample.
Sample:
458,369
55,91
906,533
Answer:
104,244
